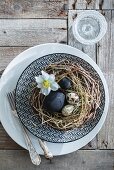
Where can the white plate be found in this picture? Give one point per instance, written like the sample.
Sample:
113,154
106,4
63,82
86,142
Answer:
8,82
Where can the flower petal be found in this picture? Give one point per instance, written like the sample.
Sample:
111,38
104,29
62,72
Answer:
54,86
49,89
51,78
39,79
45,91
45,75
39,85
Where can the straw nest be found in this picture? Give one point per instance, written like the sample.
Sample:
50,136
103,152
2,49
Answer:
83,84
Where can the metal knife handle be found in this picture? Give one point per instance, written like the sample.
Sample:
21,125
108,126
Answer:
35,157
44,147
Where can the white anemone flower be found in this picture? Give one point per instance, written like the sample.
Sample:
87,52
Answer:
46,82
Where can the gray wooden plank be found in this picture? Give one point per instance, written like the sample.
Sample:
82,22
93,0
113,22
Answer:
91,4
105,51
33,9
7,54
105,48
80,160
29,32
106,134
88,49
82,4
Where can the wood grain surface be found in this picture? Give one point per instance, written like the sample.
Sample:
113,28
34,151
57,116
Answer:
33,8
105,60
91,4
30,32
25,23
80,160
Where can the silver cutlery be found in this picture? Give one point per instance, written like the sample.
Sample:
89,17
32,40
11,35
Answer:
35,157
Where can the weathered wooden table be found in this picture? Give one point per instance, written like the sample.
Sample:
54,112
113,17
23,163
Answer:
25,23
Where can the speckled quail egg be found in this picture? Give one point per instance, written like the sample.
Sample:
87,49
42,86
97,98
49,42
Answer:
72,98
67,110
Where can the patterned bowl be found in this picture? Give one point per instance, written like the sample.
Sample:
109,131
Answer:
26,114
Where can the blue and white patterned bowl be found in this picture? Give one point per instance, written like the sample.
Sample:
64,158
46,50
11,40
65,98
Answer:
26,114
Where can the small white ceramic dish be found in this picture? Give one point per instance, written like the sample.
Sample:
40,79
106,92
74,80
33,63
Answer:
8,82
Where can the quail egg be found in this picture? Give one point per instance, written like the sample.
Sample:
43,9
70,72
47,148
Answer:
67,110
72,98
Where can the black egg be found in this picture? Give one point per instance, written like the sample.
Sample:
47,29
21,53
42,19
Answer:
54,102
65,83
